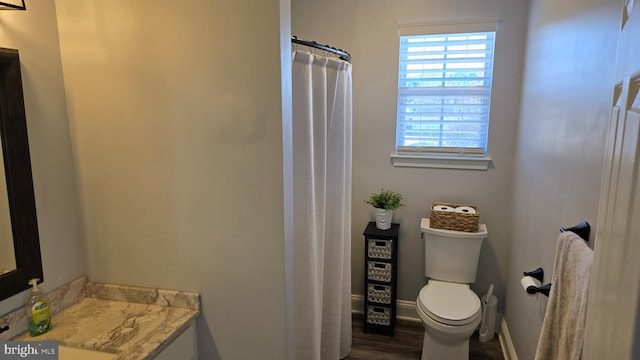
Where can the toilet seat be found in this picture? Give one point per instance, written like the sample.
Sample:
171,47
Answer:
449,303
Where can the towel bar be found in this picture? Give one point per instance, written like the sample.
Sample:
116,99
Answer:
583,229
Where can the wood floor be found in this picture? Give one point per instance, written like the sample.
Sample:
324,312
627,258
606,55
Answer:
407,344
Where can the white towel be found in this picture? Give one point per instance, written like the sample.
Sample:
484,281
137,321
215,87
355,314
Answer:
563,326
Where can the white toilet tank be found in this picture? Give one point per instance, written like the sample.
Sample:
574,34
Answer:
451,255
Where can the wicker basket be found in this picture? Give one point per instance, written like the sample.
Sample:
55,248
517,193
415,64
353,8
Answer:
454,220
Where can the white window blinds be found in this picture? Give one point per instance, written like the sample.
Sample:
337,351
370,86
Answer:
444,92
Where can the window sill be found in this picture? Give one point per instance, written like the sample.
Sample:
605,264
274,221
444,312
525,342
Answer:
441,162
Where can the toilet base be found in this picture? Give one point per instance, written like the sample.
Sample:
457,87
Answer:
432,349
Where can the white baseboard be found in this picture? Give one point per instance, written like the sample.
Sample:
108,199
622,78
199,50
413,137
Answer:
508,350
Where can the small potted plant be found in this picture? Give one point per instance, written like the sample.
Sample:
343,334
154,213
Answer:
384,201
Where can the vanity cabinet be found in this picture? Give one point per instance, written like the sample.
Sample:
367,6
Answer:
380,280
183,347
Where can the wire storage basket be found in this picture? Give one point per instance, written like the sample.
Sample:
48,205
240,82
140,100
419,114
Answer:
379,271
379,249
378,315
379,293
453,220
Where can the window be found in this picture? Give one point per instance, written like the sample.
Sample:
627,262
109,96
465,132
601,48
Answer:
444,92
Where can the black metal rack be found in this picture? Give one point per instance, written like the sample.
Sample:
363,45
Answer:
380,280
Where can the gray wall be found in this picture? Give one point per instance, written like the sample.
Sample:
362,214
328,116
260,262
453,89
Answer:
176,117
566,97
147,140
34,33
368,30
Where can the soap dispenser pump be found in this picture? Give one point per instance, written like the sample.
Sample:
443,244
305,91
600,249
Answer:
38,310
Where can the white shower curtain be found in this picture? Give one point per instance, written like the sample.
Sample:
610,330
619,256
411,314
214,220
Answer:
322,206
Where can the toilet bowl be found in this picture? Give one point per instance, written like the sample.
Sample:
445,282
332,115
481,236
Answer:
450,312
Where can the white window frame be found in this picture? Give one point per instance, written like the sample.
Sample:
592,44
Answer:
434,157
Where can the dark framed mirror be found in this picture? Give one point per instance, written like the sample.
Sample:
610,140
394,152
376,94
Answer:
19,208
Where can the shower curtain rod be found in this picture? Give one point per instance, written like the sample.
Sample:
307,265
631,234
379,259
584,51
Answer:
343,55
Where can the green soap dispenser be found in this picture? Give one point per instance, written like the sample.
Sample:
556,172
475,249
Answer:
38,310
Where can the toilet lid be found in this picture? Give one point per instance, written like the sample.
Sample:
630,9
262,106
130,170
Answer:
449,303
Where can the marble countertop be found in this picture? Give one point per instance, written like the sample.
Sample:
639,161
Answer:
133,322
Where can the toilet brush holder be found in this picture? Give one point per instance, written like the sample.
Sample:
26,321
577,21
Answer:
488,330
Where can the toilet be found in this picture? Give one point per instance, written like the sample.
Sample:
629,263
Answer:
450,311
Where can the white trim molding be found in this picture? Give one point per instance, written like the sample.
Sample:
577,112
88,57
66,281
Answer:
460,25
508,350
441,162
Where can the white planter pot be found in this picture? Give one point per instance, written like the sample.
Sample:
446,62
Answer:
383,219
